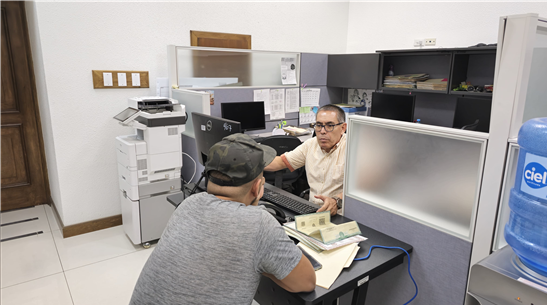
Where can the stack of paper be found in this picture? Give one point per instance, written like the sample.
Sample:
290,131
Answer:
404,81
333,262
317,246
296,131
433,84
319,227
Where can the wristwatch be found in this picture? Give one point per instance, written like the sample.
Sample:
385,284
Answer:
338,202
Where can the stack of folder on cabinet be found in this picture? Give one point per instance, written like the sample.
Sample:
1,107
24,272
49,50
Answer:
407,81
439,84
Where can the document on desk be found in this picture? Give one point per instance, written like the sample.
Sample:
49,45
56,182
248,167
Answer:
339,232
263,96
292,100
290,229
310,224
277,104
352,257
319,226
333,262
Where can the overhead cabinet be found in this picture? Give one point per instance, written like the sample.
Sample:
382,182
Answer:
353,70
436,64
474,65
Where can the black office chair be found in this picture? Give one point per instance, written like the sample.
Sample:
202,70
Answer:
282,179
472,126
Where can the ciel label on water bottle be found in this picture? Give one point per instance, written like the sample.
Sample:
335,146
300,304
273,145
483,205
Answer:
534,176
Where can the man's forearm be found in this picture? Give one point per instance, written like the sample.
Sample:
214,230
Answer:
278,282
276,165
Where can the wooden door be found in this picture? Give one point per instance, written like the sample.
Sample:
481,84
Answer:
24,174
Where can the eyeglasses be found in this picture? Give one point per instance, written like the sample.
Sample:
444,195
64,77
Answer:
328,127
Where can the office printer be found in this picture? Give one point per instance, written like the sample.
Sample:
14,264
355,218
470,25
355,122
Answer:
149,165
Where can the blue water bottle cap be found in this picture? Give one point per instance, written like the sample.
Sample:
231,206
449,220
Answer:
533,135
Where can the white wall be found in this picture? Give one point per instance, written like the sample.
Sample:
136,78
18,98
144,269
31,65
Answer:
376,26
43,102
71,39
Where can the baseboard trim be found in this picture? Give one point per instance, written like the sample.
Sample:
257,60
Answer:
93,225
85,227
56,212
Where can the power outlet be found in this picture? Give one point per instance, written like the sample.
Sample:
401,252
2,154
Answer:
430,41
418,42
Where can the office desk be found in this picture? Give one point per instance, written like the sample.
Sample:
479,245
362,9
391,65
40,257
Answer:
176,199
355,278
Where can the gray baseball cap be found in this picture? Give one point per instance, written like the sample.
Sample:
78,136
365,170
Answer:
239,157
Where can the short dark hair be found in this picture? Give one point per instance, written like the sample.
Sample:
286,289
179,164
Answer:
227,191
340,114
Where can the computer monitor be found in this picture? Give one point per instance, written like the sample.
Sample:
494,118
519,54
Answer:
209,130
392,106
469,110
249,114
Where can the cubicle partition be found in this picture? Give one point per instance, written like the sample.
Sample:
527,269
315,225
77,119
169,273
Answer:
419,184
193,101
203,67
313,74
508,182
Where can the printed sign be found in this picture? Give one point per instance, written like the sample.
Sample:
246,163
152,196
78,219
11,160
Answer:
534,176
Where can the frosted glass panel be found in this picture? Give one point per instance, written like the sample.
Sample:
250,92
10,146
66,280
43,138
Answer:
536,95
429,176
199,68
193,101
508,183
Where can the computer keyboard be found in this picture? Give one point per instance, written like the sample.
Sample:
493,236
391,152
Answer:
275,196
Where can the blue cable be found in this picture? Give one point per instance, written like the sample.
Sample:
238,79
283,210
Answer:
408,255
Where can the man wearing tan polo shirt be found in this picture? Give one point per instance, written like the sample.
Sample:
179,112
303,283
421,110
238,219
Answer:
323,156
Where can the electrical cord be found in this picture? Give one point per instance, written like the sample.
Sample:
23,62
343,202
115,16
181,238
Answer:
195,166
197,184
408,255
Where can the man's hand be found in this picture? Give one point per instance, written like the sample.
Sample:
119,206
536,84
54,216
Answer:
329,204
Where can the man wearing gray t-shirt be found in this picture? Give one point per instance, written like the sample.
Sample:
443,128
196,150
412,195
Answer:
218,244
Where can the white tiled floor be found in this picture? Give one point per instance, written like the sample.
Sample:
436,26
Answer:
41,224
101,267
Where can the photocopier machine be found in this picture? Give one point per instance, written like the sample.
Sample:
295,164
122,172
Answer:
149,165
